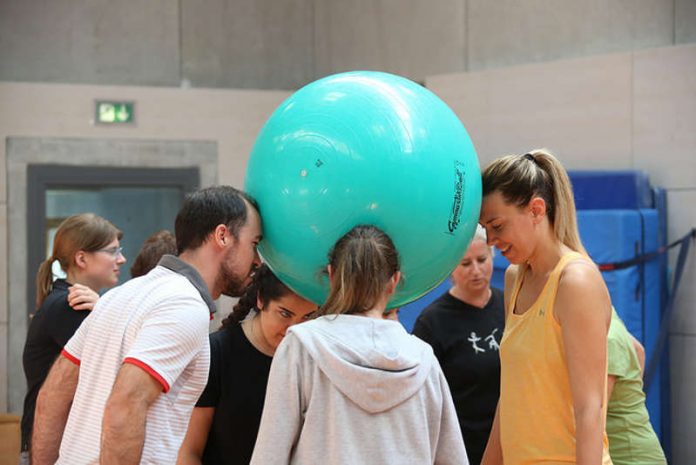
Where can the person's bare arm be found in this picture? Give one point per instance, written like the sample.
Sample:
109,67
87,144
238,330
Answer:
493,454
191,452
123,426
583,309
52,409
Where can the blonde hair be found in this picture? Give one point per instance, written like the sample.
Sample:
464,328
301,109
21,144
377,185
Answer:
85,231
538,173
481,235
362,263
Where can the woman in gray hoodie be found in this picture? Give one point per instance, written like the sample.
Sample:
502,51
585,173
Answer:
351,387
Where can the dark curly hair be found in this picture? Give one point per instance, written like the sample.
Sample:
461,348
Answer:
265,286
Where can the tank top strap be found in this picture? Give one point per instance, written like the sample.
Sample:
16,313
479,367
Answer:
551,287
521,270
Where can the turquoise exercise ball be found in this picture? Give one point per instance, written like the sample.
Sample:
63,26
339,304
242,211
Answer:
364,148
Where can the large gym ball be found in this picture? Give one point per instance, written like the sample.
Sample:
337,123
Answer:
364,148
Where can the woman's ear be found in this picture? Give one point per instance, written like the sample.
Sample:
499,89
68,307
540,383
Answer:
80,259
537,206
329,270
259,302
393,282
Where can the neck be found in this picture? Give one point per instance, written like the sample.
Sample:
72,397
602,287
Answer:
378,310
77,277
477,299
253,333
207,266
546,254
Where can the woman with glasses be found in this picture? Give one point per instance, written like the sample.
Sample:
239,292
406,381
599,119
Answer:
87,248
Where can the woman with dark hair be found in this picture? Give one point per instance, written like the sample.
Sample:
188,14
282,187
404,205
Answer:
352,387
87,248
553,355
223,426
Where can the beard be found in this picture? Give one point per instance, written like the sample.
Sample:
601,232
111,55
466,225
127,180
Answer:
233,284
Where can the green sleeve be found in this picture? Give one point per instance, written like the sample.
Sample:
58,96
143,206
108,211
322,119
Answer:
618,349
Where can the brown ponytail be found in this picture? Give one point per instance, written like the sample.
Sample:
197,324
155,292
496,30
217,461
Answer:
87,232
44,280
538,173
362,263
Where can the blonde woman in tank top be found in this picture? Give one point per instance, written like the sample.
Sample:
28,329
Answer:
553,354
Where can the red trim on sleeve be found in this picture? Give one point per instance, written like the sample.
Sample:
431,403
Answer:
70,357
150,371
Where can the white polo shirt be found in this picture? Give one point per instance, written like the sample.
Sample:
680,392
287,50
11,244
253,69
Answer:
158,322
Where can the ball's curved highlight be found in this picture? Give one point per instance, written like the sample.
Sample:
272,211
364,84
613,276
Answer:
364,148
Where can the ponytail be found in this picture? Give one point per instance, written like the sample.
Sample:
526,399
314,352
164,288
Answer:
362,263
519,178
565,224
44,281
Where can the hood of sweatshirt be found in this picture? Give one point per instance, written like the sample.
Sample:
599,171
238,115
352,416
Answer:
373,362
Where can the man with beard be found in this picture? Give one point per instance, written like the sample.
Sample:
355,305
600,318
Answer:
125,385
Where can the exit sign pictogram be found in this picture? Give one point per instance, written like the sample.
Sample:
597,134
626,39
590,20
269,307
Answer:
114,112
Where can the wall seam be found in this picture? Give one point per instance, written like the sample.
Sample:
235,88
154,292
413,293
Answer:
632,106
466,35
674,22
181,41
313,71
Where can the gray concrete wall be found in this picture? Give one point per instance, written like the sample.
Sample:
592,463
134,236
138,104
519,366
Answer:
623,111
283,44
90,41
261,44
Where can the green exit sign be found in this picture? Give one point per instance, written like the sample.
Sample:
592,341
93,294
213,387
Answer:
113,112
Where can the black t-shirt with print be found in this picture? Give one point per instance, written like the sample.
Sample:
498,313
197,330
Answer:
236,389
466,341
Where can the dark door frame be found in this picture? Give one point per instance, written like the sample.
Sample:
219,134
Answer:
41,178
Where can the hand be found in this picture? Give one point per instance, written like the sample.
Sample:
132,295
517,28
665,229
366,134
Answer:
81,297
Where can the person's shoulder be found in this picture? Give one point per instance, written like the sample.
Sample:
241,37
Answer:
221,336
511,271
581,292
163,286
57,299
55,308
440,305
579,273
497,301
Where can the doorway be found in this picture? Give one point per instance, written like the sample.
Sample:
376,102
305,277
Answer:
138,201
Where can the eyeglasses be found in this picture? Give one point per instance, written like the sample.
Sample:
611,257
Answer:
113,251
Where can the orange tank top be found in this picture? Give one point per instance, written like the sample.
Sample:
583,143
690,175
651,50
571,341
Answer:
537,423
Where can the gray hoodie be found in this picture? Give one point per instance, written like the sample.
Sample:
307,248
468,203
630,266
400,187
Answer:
354,390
